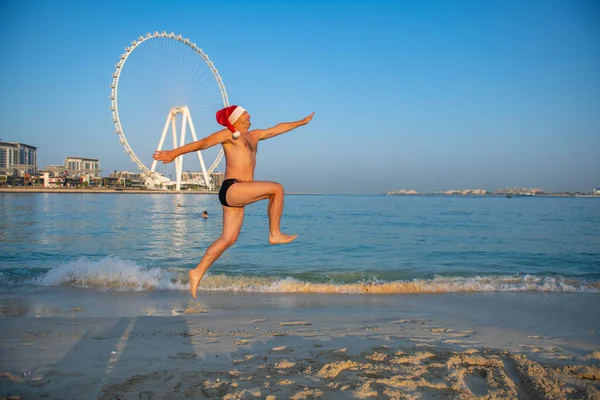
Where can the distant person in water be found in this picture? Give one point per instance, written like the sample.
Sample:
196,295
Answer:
205,214
239,188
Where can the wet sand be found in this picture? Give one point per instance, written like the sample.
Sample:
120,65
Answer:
70,343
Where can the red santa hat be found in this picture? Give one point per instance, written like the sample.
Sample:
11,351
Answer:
227,117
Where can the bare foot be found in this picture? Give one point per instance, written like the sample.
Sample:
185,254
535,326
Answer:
282,238
194,282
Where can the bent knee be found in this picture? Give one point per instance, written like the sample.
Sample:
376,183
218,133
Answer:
229,240
278,188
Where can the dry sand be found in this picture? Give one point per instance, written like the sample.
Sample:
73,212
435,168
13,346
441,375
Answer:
82,344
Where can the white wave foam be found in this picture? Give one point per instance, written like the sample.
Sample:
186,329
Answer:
435,285
113,273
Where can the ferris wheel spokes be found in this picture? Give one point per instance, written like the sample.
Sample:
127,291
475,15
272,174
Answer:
185,120
197,83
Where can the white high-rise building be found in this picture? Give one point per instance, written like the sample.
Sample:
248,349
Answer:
17,159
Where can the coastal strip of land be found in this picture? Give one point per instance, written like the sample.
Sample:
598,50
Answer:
125,190
101,191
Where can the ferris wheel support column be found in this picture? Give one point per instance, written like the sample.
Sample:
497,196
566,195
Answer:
179,160
162,139
174,131
193,132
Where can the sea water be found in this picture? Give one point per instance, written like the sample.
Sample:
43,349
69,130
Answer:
346,243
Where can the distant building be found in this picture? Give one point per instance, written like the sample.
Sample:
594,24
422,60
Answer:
125,179
197,178
138,176
401,191
521,191
467,192
54,170
17,159
83,166
217,179
478,192
596,191
190,180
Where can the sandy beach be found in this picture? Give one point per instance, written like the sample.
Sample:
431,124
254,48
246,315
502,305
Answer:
82,344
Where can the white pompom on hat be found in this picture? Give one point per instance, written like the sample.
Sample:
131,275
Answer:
227,117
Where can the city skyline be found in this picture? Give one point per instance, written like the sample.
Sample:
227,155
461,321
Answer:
426,95
476,191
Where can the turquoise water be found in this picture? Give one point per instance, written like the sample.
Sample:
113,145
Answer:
346,243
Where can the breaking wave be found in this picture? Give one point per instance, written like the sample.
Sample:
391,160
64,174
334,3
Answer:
113,273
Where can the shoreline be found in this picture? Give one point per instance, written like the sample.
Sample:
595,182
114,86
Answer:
78,343
112,191
147,191
102,191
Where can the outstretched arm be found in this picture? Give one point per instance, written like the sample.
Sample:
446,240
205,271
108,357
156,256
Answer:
281,128
166,156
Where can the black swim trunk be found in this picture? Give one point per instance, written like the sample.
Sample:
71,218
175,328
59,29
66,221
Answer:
224,188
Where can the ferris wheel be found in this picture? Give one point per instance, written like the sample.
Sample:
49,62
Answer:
168,81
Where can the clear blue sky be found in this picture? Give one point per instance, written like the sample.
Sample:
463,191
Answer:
424,95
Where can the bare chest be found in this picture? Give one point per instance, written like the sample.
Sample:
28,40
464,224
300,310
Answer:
249,144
